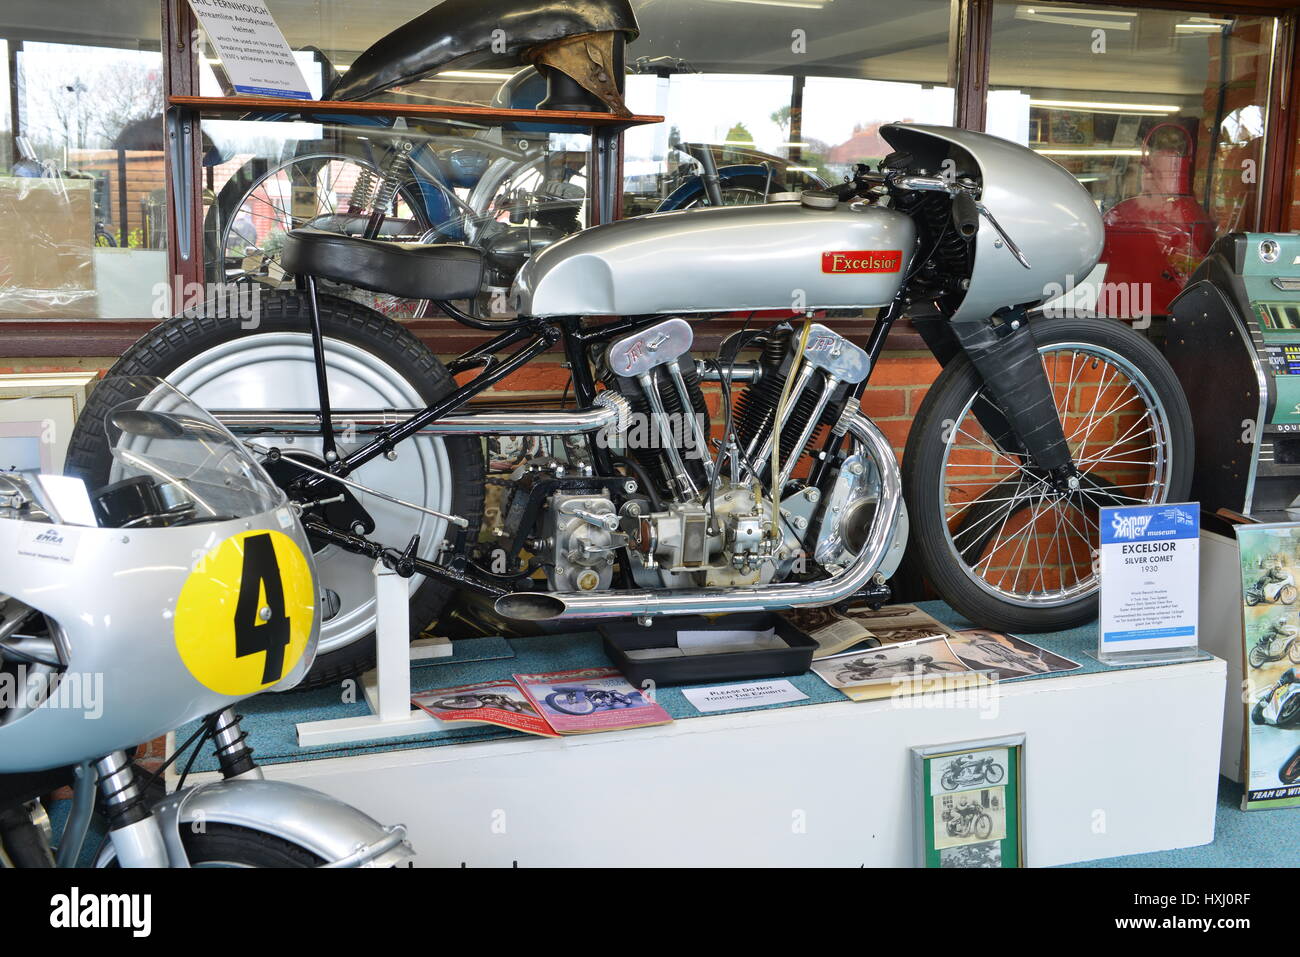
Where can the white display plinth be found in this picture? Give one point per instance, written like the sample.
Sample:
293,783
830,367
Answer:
387,687
1221,636
1121,762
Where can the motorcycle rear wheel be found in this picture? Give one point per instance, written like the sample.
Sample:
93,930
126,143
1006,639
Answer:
996,541
373,362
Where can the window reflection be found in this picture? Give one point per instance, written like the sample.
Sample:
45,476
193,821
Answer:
778,97
81,160
1159,113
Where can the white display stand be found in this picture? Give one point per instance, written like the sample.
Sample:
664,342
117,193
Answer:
1221,636
1121,762
388,687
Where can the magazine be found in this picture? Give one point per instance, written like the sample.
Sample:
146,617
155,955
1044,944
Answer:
924,664
491,702
590,699
1009,656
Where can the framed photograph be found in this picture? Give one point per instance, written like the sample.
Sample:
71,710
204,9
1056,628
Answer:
970,803
37,413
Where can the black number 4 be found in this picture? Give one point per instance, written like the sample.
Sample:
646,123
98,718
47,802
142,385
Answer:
253,633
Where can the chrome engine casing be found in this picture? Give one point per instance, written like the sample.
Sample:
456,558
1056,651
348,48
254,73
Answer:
581,537
675,548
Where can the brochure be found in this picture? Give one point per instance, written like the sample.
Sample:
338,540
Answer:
1009,656
925,664
491,702
590,699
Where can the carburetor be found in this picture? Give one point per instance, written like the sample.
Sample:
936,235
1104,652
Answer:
581,533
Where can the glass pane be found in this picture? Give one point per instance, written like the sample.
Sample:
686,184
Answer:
509,192
81,160
1159,113
777,96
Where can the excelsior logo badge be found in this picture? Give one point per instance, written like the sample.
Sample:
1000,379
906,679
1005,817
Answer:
862,261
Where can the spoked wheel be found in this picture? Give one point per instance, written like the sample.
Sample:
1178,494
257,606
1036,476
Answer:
1257,656
372,363
1000,543
983,827
257,207
994,774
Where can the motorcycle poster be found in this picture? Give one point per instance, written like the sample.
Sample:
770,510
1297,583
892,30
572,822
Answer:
1270,560
969,804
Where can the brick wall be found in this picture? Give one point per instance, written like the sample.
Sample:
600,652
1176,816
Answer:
898,385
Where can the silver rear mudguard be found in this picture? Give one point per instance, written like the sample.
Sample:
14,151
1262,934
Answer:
336,832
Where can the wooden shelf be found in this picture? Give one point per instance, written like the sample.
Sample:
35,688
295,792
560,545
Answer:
222,105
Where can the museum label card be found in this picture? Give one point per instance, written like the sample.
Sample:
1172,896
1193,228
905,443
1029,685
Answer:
253,51
1150,579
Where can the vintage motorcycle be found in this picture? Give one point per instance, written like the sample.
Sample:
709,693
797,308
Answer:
1277,589
482,699
640,510
1281,640
964,772
880,666
173,592
968,819
1279,705
583,701
801,502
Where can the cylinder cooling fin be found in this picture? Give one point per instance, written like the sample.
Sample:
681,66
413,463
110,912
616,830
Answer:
755,408
650,455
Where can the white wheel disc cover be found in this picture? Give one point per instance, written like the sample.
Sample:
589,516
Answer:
276,371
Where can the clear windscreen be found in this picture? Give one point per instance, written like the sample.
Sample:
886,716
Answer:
141,454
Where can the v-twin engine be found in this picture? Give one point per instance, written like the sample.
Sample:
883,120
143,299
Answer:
702,520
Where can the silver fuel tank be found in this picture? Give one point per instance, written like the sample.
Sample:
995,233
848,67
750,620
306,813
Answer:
730,258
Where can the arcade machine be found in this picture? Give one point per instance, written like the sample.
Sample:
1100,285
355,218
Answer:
1233,339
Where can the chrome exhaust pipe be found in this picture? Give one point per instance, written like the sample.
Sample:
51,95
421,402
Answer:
546,606
610,411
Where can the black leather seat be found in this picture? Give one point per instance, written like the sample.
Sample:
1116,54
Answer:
411,270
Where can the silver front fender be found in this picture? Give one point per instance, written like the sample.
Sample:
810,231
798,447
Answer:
336,832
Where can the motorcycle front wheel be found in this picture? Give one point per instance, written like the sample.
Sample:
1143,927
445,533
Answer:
1257,657
373,362
994,774
228,845
1000,544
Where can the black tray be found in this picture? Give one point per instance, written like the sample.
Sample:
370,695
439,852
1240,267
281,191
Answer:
624,636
